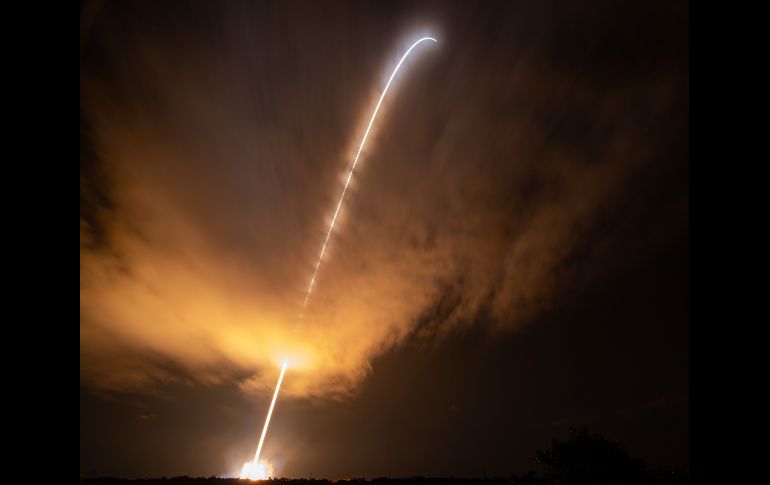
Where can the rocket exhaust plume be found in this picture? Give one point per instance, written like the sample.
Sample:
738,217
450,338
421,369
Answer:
255,470
350,174
270,413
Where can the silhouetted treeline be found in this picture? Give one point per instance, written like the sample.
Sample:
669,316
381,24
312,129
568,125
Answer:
583,459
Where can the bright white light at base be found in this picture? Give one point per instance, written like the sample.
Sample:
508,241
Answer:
252,471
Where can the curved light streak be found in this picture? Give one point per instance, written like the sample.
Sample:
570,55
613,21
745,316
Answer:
246,472
350,173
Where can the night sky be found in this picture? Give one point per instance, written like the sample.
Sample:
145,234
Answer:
511,260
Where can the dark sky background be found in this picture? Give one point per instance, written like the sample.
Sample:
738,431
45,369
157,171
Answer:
512,259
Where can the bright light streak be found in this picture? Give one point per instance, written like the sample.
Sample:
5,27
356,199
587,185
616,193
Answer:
350,172
255,470
269,413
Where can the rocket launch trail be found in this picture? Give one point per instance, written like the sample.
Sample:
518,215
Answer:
350,173
254,469
269,413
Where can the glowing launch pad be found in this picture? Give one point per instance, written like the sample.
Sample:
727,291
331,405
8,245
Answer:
254,470
251,471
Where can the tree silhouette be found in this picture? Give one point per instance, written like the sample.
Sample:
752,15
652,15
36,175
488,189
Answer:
590,459
582,459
